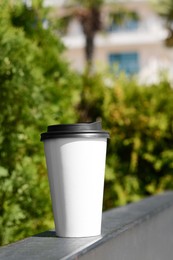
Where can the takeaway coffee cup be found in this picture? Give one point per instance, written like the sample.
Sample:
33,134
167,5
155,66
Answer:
75,157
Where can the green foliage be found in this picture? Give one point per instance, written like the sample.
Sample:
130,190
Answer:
92,96
36,89
139,119
165,9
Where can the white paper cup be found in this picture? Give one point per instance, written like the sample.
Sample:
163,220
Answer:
76,165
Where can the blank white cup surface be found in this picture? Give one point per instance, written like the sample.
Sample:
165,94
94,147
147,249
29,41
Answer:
76,169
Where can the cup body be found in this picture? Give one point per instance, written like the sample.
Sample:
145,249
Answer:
76,169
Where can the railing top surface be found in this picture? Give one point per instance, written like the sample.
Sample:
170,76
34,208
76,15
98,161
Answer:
116,221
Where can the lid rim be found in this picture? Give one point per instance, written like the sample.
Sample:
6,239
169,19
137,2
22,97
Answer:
46,136
83,130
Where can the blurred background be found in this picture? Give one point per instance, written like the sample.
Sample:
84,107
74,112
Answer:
79,61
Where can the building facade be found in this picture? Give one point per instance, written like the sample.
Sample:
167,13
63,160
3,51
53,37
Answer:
135,47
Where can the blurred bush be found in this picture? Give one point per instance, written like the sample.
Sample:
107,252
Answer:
140,153
37,88
140,121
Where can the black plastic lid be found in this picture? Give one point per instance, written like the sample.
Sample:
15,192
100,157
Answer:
93,129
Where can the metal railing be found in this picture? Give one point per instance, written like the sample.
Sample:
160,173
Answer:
138,231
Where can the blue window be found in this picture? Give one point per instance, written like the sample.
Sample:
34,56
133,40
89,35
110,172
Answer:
127,62
130,25
123,21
